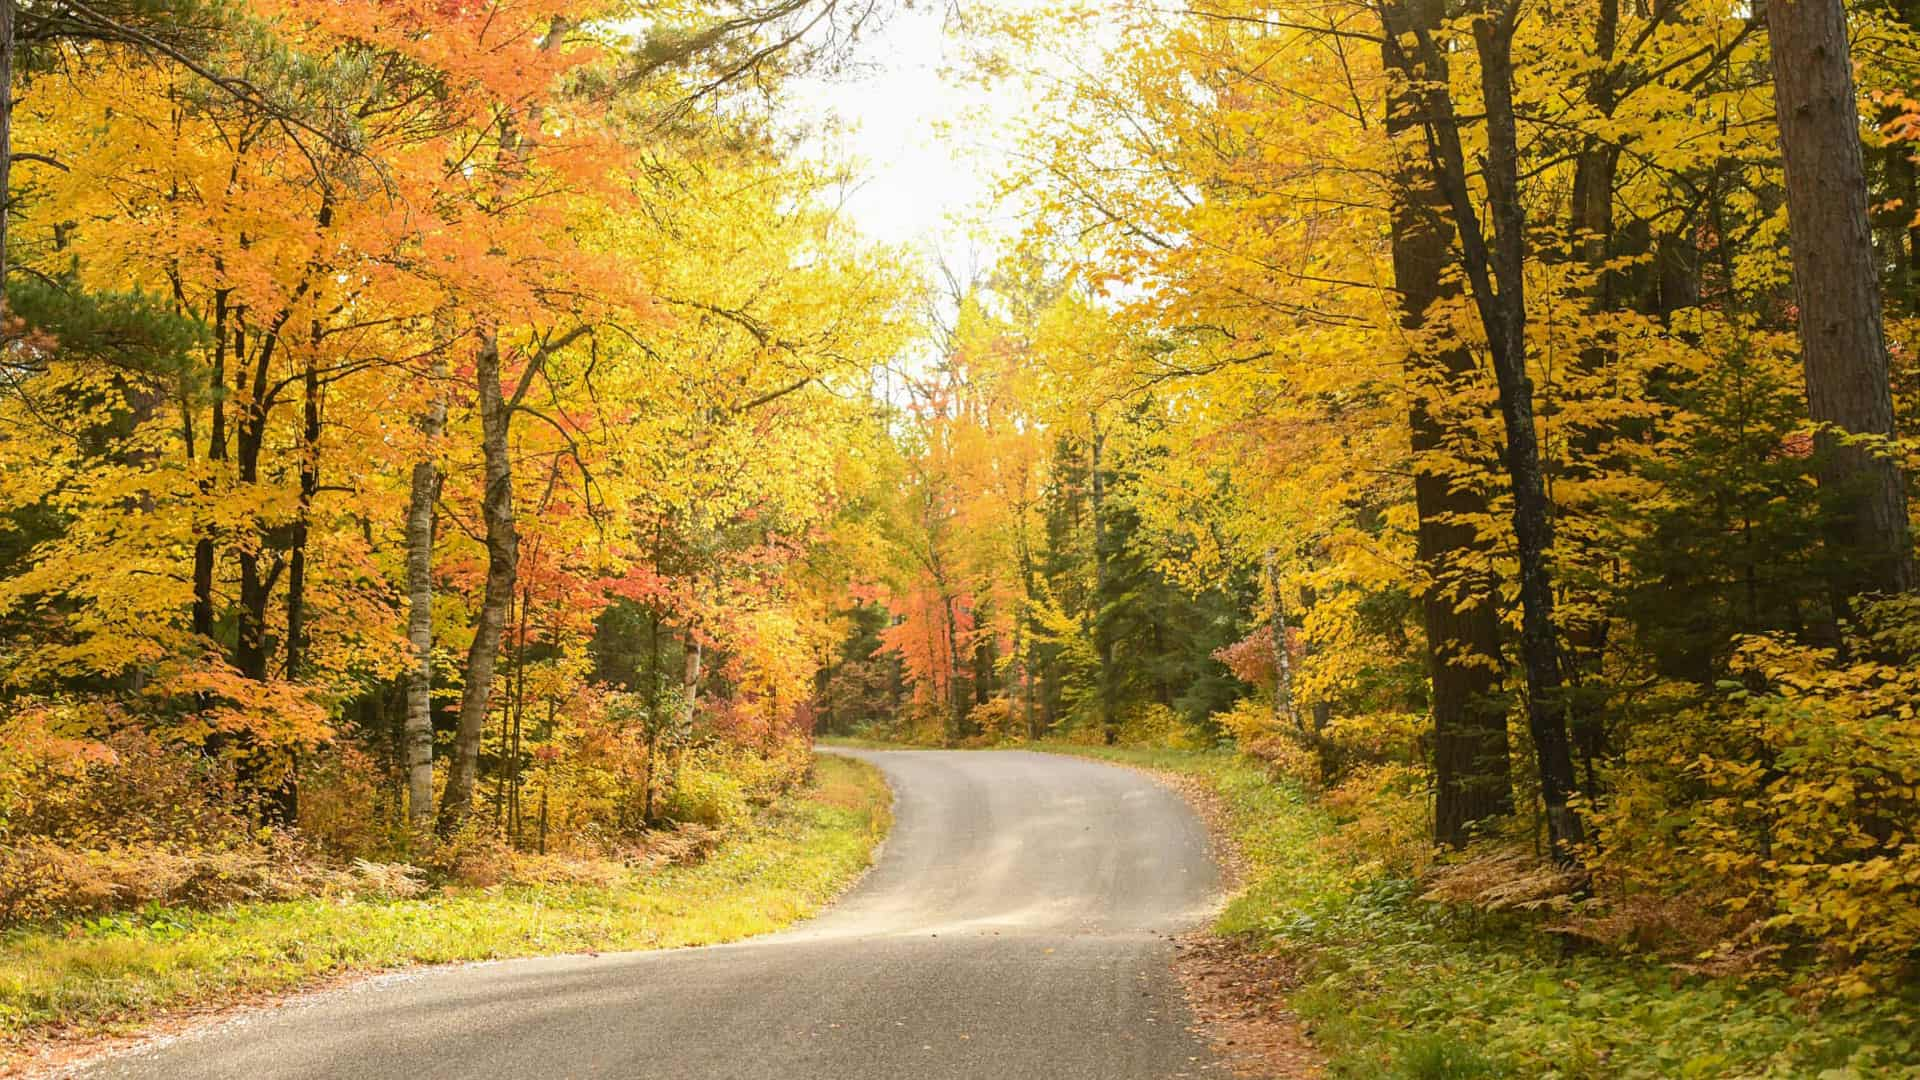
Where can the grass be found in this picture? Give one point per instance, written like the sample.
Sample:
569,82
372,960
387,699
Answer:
108,976
1395,986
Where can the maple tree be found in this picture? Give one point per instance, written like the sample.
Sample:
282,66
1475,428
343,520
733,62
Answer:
362,357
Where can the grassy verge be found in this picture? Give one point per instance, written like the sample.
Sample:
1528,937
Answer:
1394,986
109,976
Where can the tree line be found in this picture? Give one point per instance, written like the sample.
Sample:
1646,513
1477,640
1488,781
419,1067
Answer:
371,371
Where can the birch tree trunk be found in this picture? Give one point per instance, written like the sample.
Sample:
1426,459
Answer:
503,563
690,681
420,528
1282,659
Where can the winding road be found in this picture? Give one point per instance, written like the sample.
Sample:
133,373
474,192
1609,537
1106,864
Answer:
1016,926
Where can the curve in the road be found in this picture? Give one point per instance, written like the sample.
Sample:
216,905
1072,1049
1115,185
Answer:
1016,926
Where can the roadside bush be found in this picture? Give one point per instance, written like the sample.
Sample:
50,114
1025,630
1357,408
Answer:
64,782
705,792
42,880
994,722
1158,727
1789,800
1383,821
348,810
1261,736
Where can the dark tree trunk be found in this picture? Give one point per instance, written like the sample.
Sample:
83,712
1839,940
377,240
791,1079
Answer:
203,551
1472,772
309,487
1102,632
6,145
1843,345
1496,275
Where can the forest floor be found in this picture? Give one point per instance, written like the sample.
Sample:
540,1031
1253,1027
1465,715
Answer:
1387,984
77,986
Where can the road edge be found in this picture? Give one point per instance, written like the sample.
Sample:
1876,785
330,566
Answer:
59,1053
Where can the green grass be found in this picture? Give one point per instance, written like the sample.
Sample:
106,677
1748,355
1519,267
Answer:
1395,986
107,976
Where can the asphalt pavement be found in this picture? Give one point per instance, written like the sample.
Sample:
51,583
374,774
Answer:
1016,927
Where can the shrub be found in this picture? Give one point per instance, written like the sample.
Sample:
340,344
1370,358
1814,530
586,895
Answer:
1159,727
1261,735
705,792
995,722
1384,822
42,880
1789,800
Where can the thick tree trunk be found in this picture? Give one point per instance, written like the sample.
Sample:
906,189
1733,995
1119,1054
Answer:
1496,274
503,561
421,498
1843,345
1473,779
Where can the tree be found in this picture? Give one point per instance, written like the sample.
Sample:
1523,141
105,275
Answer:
1837,289
1472,779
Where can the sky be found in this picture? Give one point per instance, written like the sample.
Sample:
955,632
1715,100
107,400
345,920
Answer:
925,144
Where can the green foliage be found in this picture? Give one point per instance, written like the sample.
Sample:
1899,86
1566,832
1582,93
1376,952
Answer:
705,793
1786,800
140,334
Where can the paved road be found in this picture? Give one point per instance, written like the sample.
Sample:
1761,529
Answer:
1015,927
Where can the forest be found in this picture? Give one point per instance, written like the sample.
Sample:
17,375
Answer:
1488,416
463,444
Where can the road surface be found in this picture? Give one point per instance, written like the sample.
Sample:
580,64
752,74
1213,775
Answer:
1014,927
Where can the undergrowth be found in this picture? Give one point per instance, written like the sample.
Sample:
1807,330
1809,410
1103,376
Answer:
116,972
1393,985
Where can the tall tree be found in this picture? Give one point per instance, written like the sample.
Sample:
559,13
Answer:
1837,288
1472,771
1495,261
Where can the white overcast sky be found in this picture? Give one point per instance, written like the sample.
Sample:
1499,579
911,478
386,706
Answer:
925,143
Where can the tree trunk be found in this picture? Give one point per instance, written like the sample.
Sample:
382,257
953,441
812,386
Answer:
957,703
309,487
203,552
503,561
1282,656
1497,277
6,145
1023,641
1472,772
1843,345
1505,315
690,680
1102,637
420,527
